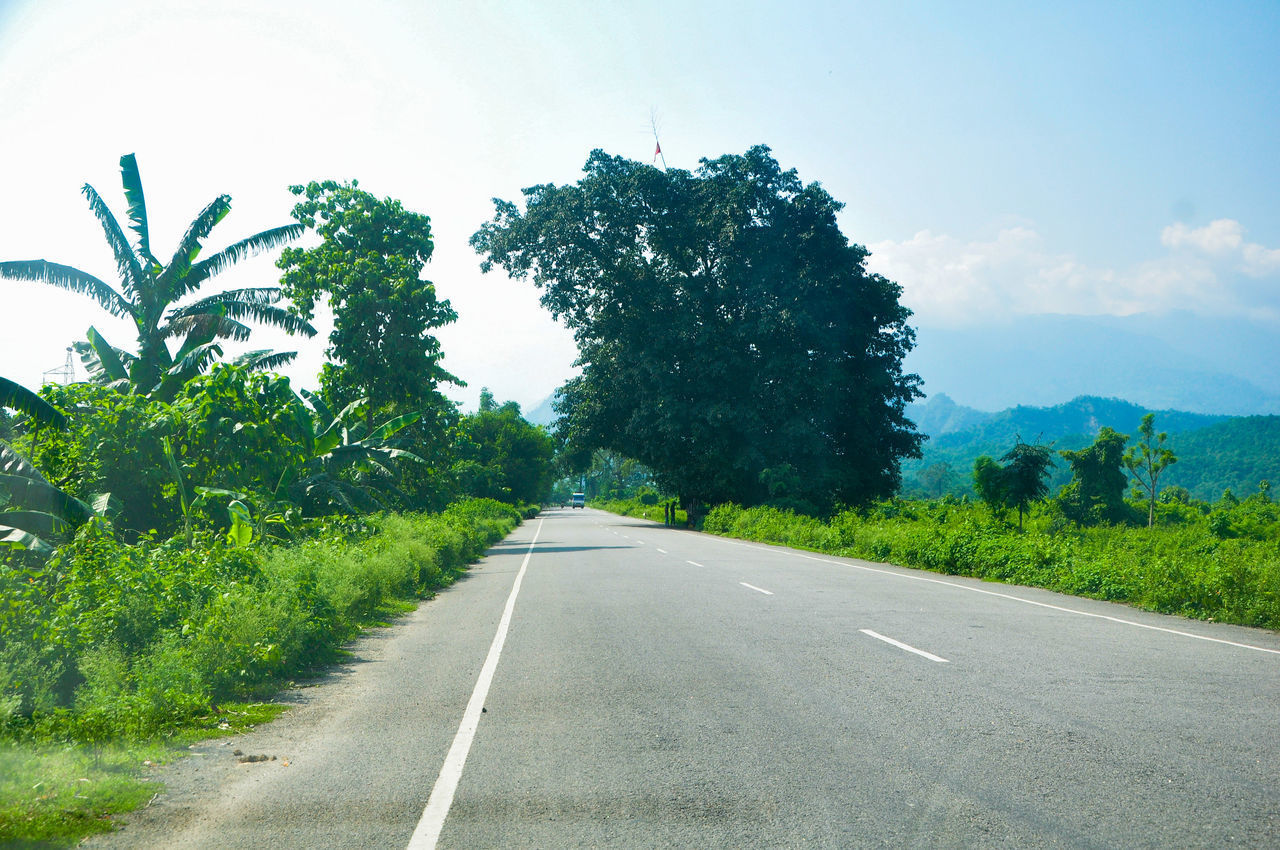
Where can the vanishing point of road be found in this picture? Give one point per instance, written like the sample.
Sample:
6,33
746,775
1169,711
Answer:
599,681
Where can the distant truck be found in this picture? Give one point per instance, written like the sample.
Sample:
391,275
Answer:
578,500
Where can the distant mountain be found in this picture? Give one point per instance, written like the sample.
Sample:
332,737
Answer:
1072,425
1174,361
1083,416
940,415
543,414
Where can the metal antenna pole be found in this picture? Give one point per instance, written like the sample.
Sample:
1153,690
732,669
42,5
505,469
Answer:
657,146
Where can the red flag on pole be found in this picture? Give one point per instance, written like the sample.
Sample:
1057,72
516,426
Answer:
657,150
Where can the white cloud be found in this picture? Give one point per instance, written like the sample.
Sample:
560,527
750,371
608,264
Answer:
1224,239
1219,237
1260,261
948,281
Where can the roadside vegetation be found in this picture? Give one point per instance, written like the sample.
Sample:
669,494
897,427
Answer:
184,534
1168,553
109,647
1182,567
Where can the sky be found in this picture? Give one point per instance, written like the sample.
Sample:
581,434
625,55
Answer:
997,159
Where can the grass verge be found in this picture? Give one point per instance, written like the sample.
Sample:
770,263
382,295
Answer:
114,657
633,507
1182,570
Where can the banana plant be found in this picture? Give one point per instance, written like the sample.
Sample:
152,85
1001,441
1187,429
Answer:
150,293
35,514
344,443
17,397
243,527
32,511
109,365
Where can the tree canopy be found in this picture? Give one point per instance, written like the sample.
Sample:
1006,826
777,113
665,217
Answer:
369,265
730,336
1096,491
502,456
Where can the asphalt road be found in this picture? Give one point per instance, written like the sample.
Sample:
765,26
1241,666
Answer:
659,688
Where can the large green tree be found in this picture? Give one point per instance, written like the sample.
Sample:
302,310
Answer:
726,328
368,267
150,293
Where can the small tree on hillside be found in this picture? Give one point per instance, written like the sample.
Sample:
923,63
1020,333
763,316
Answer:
1096,491
1025,473
937,479
1017,484
1147,459
989,482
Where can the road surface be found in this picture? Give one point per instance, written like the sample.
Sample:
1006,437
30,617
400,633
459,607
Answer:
649,687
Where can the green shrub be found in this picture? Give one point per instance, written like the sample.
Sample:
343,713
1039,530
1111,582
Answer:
109,640
1184,568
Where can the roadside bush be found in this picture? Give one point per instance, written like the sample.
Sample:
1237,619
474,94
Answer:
637,508
109,640
1184,569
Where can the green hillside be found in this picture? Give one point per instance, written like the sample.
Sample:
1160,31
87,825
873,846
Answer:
1236,454
1205,467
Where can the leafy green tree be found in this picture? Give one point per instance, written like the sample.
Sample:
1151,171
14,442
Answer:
368,266
502,456
150,293
937,479
1146,460
1096,491
989,483
1026,468
238,429
114,444
725,326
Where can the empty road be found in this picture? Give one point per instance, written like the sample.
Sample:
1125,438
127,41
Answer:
636,686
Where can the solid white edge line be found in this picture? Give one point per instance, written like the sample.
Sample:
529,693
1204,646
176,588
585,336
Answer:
427,832
1009,596
902,645
753,587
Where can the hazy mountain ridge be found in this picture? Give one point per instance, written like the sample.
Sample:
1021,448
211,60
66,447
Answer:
1083,415
1173,361
543,413
1214,452
941,415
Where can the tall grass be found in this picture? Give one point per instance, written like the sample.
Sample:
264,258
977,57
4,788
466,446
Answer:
110,646
636,508
1179,569
114,641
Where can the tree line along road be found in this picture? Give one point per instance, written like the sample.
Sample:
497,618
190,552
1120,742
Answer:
661,688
